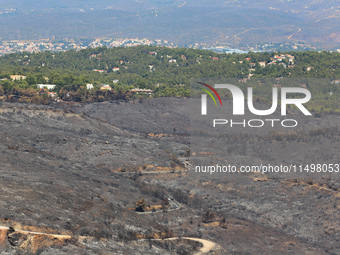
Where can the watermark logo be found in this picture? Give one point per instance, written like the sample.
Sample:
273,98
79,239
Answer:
209,93
239,103
238,100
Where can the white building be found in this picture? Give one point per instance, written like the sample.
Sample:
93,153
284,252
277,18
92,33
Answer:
89,86
46,86
146,91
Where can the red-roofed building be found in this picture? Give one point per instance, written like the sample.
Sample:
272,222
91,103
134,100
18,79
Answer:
52,94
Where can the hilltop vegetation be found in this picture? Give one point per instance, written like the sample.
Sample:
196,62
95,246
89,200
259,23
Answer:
166,71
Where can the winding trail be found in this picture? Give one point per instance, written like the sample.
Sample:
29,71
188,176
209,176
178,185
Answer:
245,31
38,233
207,245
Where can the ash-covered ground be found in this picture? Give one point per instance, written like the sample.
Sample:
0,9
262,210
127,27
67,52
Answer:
61,170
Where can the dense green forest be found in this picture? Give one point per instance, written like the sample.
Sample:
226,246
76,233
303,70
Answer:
166,71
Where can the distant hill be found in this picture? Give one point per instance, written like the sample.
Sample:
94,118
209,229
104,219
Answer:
230,22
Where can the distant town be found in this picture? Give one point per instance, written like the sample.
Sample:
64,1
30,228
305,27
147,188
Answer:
13,46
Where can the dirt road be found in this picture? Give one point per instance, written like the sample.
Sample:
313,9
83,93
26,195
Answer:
38,233
207,245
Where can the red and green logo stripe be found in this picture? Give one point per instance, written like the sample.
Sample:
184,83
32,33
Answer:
209,93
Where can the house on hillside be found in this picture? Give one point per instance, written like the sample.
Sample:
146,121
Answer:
99,71
262,64
52,94
17,77
105,87
145,91
47,86
277,58
290,58
89,86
